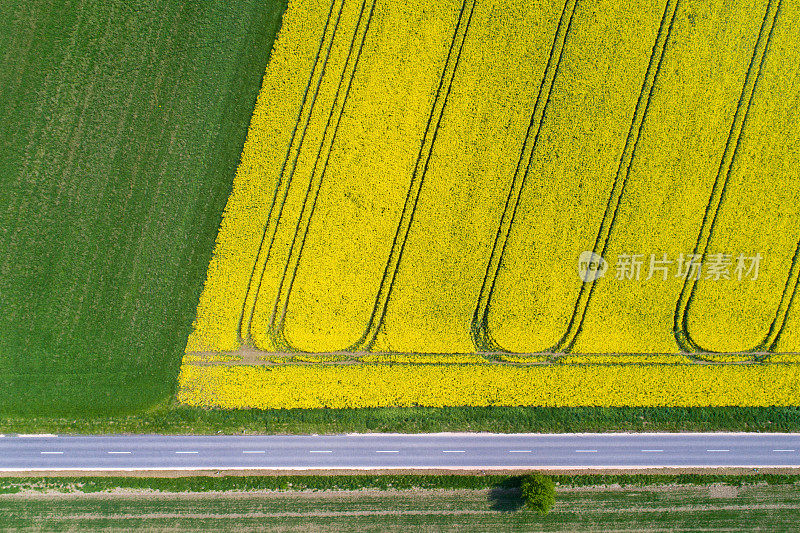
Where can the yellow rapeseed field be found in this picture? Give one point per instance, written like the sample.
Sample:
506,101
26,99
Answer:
420,179
613,359
464,358
371,167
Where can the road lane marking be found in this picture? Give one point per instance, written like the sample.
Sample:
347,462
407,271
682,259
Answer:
48,453
118,452
186,452
254,451
320,451
454,451
720,450
387,451
652,451
782,450
520,451
585,451
35,435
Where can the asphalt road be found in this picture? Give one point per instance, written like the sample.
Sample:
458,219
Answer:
398,451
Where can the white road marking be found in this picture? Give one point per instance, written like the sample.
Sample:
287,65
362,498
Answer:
782,450
387,451
47,453
186,452
36,435
454,451
652,451
254,451
320,451
720,450
520,451
118,452
585,451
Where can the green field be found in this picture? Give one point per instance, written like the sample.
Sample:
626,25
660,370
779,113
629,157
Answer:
123,122
665,507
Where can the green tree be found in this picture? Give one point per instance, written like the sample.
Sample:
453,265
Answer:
539,492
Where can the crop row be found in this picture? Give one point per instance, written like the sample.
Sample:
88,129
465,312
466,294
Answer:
271,303
475,154
571,174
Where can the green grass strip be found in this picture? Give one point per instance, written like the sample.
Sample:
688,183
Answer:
178,419
87,485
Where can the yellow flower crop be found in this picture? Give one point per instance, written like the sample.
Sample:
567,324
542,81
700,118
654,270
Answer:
307,358
365,385
420,178
510,358
316,358
572,171
479,141
784,358
362,195
726,358
221,358
277,359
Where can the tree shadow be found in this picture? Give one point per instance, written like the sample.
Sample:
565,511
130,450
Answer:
506,495
505,500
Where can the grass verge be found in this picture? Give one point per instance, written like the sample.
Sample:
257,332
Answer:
180,419
91,484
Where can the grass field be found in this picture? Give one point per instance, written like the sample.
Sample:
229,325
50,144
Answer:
123,123
420,184
639,508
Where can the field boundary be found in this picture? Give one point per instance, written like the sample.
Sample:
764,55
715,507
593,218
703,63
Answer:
249,357
167,472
